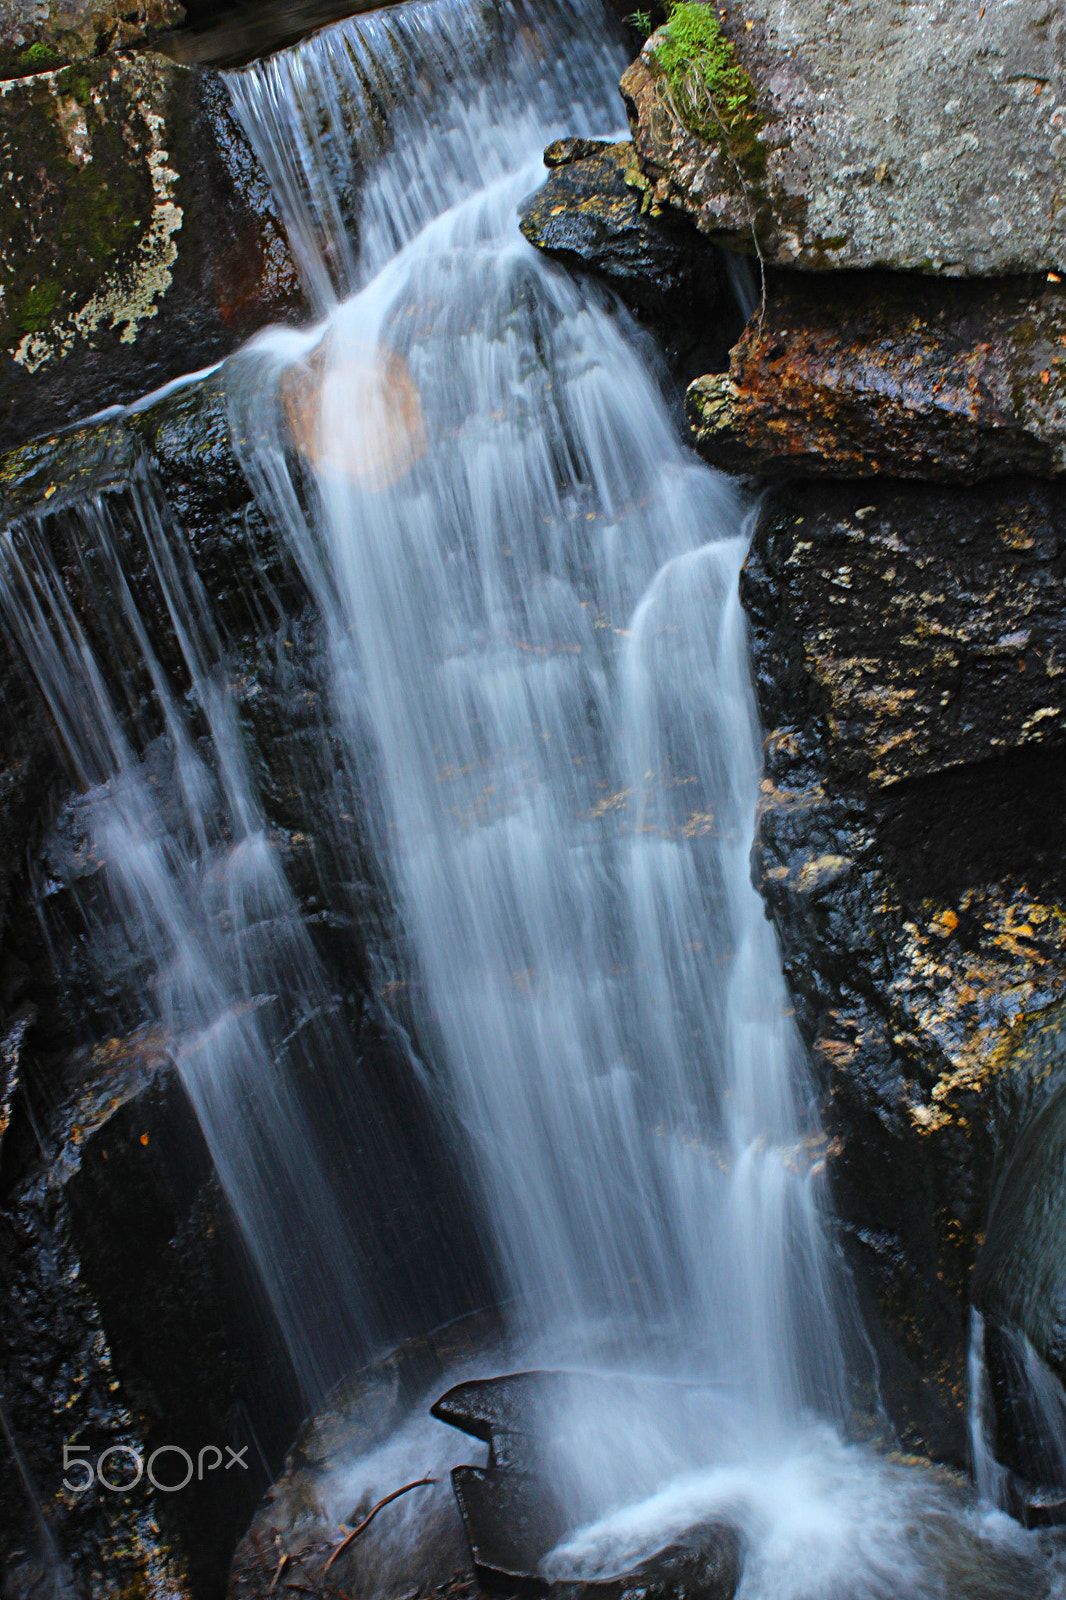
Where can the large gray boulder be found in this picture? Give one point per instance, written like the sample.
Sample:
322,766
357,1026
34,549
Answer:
923,135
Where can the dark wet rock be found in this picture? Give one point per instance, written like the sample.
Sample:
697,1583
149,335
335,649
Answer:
167,1313
705,1563
11,1051
127,1313
304,1515
885,376
1021,1270
512,1523
1019,1282
595,213
910,850
926,626
513,1414
561,152
139,238
230,33
903,138
36,35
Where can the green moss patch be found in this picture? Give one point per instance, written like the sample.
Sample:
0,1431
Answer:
38,57
711,91
64,224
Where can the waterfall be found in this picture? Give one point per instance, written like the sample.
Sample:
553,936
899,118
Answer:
539,653
538,689
206,912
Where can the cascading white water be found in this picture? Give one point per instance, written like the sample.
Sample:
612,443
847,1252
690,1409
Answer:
538,636
202,898
539,661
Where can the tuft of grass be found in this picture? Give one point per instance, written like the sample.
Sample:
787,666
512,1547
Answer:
710,90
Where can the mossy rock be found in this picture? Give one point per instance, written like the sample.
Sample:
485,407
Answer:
38,35
137,237
708,86
77,144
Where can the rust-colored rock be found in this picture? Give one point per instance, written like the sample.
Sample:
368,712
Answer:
878,375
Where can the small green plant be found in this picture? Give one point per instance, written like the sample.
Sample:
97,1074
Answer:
38,55
640,22
710,90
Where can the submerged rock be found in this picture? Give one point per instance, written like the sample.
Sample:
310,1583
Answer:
337,1470
891,377
138,240
904,137
910,847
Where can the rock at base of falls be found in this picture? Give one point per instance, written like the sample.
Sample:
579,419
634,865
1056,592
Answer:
889,376
138,240
517,1509
822,167
125,1312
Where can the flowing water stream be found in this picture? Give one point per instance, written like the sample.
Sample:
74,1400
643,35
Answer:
532,594
538,670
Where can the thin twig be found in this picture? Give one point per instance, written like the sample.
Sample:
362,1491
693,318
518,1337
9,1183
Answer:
419,1483
282,1564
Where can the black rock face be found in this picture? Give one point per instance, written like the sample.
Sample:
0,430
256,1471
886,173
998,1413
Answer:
594,215
910,848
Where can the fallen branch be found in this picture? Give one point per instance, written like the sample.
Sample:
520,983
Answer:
419,1483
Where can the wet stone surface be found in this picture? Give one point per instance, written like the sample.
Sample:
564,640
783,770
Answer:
595,214
888,376
517,1508
138,240
910,849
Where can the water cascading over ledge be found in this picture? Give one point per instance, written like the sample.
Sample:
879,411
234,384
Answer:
565,836
537,681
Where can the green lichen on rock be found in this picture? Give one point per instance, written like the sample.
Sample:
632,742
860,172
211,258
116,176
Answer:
709,88
79,198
